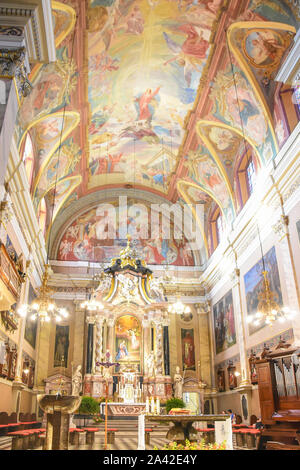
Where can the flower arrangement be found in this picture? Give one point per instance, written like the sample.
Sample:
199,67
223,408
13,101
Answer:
193,446
97,419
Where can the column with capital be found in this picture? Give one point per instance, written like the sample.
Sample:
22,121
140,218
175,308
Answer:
245,386
206,369
14,85
17,385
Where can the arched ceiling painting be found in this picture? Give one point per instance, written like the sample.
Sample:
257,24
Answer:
163,96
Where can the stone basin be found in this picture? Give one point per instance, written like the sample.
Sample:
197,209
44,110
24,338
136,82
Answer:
66,404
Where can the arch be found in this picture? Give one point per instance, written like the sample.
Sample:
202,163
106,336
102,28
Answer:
216,158
247,70
76,180
71,117
236,131
91,201
71,17
186,198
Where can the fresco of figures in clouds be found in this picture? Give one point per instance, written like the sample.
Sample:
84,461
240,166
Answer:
143,76
83,240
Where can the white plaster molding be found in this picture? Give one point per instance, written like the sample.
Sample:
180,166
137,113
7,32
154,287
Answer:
291,146
285,171
25,223
292,62
35,18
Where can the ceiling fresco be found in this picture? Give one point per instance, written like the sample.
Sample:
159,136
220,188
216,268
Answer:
88,238
163,96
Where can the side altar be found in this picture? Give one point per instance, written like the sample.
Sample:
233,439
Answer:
131,327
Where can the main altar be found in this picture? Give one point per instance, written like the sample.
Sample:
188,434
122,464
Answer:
131,329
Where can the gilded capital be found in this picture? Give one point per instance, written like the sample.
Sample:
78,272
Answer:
12,65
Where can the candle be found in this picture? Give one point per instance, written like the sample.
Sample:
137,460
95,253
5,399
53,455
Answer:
147,405
158,406
152,405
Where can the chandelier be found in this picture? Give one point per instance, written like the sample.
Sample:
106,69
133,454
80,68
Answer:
43,307
268,310
92,304
178,307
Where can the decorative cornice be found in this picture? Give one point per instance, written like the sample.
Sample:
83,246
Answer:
35,19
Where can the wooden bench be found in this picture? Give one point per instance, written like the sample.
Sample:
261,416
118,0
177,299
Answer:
208,434
20,440
111,434
77,436
90,435
241,434
252,438
147,435
26,439
11,427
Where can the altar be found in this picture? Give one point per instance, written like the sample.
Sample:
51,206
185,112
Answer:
132,330
122,409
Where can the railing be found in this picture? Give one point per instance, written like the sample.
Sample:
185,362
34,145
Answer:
9,273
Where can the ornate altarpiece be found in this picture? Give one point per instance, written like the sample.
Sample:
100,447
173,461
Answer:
134,312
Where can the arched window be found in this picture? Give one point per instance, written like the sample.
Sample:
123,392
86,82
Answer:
250,176
28,158
42,215
246,177
216,228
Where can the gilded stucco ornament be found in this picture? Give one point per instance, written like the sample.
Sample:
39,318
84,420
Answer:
12,66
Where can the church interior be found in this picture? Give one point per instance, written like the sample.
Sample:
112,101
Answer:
149,224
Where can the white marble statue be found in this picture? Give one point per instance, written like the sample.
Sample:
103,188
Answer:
76,380
150,362
178,384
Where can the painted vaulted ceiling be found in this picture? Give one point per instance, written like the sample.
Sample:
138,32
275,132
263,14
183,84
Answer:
159,97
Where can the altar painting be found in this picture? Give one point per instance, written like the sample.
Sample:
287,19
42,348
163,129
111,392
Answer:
225,335
128,339
61,346
254,284
30,326
188,349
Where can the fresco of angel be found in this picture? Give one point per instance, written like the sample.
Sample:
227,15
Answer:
190,53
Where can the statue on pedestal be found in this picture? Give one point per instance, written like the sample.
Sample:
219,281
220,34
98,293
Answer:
178,384
76,380
150,362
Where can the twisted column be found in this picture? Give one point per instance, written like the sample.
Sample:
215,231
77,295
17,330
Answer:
159,347
99,341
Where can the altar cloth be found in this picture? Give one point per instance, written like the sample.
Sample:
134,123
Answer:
123,409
